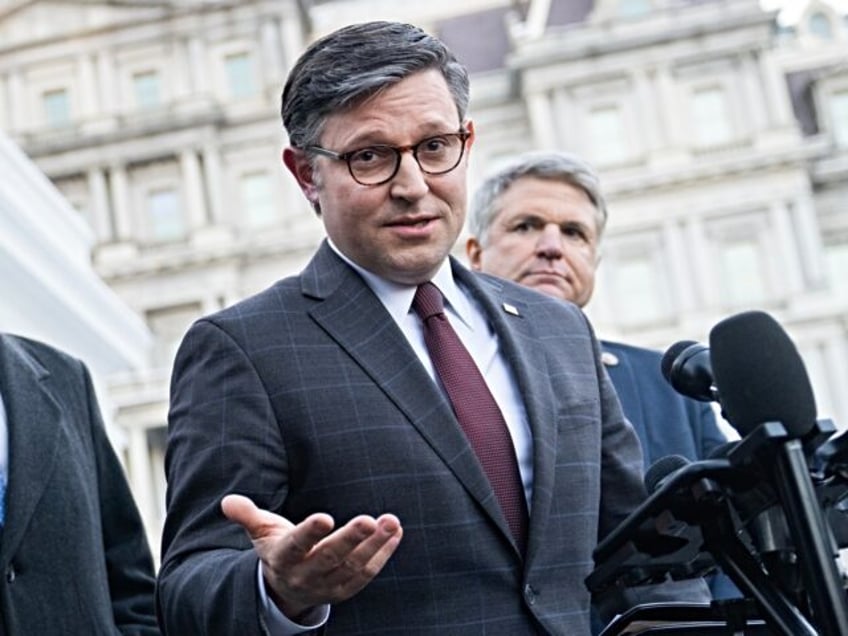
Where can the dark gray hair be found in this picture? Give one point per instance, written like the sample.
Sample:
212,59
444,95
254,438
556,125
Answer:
347,66
554,166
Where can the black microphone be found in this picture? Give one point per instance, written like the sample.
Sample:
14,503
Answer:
760,375
687,367
661,469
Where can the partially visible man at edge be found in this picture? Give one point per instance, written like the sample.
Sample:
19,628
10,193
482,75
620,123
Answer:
319,472
539,222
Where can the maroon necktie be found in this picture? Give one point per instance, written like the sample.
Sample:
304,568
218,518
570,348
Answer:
475,408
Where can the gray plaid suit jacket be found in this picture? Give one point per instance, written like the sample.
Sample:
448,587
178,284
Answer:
308,398
74,557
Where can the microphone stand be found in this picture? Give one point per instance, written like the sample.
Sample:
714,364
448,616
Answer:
785,459
672,529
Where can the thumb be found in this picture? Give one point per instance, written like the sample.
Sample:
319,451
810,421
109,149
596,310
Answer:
257,522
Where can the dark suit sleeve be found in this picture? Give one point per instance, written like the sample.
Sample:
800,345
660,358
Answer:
622,492
129,564
223,438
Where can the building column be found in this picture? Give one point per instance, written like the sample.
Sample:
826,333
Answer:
272,53
704,284
182,82
109,89
836,364
805,224
213,180
749,86
98,193
678,252
788,280
17,101
122,218
5,114
141,478
776,92
646,110
562,103
291,40
198,65
193,190
87,87
542,121
669,105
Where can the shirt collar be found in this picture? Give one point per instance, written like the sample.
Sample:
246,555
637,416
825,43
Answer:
397,298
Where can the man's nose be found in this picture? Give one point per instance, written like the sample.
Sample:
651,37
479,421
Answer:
549,244
410,181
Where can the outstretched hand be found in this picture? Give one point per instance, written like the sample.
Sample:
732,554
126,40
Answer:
310,563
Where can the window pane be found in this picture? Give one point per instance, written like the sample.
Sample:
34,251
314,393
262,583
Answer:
742,273
836,260
257,199
607,139
146,89
240,79
712,124
163,211
820,26
839,112
57,107
637,297
633,8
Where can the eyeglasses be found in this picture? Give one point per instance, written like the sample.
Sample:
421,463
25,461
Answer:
378,164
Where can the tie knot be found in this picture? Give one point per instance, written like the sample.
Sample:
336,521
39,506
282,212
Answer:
428,301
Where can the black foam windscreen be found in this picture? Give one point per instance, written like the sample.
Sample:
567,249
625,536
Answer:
671,355
662,468
760,375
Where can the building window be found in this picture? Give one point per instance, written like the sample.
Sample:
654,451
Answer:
820,26
165,219
836,261
57,108
638,299
169,325
633,8
146,89
607,136
742,274
839,113
711,117
241,81
257,200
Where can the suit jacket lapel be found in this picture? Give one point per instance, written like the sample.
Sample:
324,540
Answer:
524,351
356,319
32,416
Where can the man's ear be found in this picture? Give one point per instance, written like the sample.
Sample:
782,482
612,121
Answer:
469,126
474,253
297,161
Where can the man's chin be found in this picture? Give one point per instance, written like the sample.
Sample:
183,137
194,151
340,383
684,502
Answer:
550,289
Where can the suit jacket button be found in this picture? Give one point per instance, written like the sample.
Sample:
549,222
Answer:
529,594
10,574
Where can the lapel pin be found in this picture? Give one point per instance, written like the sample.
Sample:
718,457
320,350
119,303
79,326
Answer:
609,359
511,309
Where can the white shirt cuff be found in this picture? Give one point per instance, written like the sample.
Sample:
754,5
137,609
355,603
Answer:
278,623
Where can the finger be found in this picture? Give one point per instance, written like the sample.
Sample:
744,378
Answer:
367,559
352,546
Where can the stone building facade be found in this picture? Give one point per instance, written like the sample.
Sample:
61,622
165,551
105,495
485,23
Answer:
720,131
